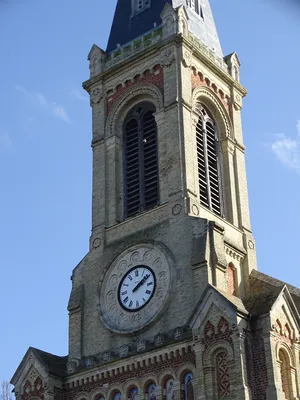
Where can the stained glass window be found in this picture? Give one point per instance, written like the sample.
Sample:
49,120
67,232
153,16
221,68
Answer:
188,387
151,389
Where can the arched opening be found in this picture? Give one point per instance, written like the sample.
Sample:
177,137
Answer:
116,395
150,388
169,389
140,163
208,158
133,393
285,372
187,391
231,280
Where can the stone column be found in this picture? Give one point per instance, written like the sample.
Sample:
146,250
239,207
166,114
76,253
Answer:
228,151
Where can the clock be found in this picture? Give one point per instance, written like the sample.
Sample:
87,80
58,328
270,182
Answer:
135,288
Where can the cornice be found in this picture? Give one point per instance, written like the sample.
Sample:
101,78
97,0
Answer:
225,76
118,367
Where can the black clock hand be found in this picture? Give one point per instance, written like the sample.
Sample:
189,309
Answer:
140,283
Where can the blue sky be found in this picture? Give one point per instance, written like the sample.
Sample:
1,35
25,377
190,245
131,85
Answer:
45,155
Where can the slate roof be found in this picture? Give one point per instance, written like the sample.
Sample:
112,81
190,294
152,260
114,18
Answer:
126,27
56,365
264,291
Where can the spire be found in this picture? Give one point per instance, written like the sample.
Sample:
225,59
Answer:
133,18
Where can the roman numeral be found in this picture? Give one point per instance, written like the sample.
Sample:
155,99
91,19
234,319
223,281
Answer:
136,272
137,304
123,293
125,300
130,277
148,291
150,284
144,300
125,284
130,304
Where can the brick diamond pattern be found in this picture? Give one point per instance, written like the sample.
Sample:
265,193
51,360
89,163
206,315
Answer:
223,375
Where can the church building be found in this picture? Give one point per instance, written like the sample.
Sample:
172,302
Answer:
168,303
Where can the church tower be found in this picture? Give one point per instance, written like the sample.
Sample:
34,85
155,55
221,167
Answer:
168,303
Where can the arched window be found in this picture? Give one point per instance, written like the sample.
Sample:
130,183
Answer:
133,393
285,372
208,157
231,280
188,386
140,160
222,371
116,396
170,395
151,392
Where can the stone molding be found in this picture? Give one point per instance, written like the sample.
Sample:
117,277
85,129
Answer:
140,92
206,96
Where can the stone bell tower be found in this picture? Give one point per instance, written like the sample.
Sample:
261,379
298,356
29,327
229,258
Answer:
168,303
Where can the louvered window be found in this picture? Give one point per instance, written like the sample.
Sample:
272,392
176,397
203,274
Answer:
208,162
140,161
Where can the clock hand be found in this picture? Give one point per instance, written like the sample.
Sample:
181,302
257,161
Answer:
140,283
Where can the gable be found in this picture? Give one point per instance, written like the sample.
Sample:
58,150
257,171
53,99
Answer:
284,317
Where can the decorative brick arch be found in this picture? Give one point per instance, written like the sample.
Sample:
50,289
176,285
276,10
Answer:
287,349
140,93
183,370
129,385
219,367
96,394
113,391
209,98
286,370
164,377
83,395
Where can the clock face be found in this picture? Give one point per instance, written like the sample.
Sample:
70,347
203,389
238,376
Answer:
137,288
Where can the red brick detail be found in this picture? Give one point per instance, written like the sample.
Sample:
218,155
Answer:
209,330
256,365
199,80
37,390
155,77
223,379
174,362
223,326
231,280
217,337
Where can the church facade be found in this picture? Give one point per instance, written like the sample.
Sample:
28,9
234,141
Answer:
168,303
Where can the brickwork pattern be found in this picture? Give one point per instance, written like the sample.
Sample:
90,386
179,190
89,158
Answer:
256,365
223,378
199,80
155,77
137,374
33,390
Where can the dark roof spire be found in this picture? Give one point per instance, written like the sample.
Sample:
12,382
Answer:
133,18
